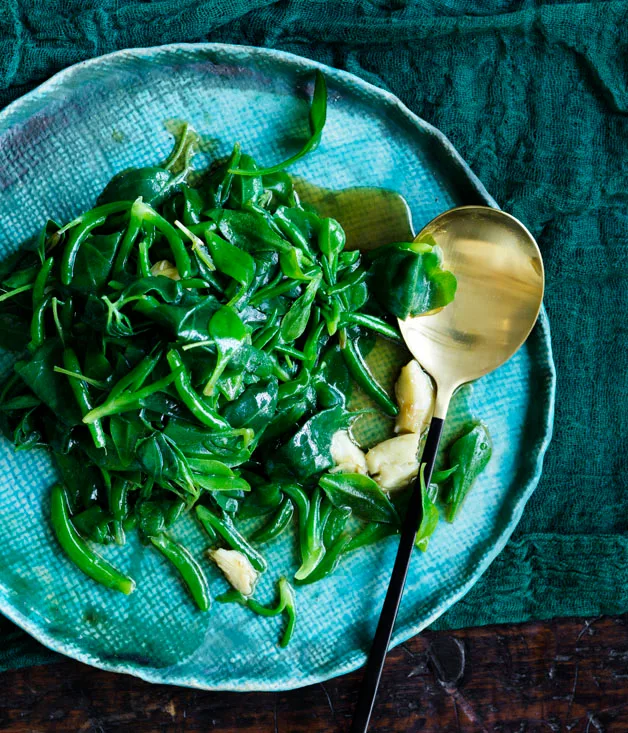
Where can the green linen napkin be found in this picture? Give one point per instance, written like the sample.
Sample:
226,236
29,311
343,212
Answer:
534,94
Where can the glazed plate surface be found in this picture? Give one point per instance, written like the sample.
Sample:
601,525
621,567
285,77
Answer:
60,144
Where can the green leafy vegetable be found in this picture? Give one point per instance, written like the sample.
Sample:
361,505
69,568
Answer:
439,477
191,345
361,494
228,333
308,452
233,261
296,319
151,184
471,453
318,116
371,534
255,407
408,279
429,515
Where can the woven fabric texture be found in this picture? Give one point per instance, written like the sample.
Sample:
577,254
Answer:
535,97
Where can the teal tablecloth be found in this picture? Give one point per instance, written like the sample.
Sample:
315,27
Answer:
534,94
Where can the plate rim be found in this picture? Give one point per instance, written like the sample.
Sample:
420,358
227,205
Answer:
357,657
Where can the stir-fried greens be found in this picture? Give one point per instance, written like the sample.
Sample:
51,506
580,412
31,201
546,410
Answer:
190,345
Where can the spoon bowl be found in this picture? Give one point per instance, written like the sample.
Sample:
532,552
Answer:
500,277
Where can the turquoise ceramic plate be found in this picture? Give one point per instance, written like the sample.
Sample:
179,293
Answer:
59,145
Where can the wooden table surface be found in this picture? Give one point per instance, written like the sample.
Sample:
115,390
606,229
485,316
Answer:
563,675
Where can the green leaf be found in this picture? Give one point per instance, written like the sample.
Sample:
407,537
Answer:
94,262
186,321
317,118
408,279
289,414
228,333
125,433
93,524
252,360
245,189
357,296
301,227
308,452
372,533
197,443
53,389
429,515
19,279
220,483
249,231
331,238
81,478
217,185
231,384
228,500
105,458
472,453
21,267
280,185
21,402
233,261
164,461
296,319
27,433
255,408
295,265
361,494
164,288
152,184
332,380
151,518
312,521
209,466
439,477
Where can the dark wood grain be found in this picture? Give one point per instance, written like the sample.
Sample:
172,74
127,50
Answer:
566,675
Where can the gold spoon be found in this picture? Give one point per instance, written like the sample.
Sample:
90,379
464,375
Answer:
500,277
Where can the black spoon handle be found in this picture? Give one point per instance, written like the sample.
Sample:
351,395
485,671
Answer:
375,664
